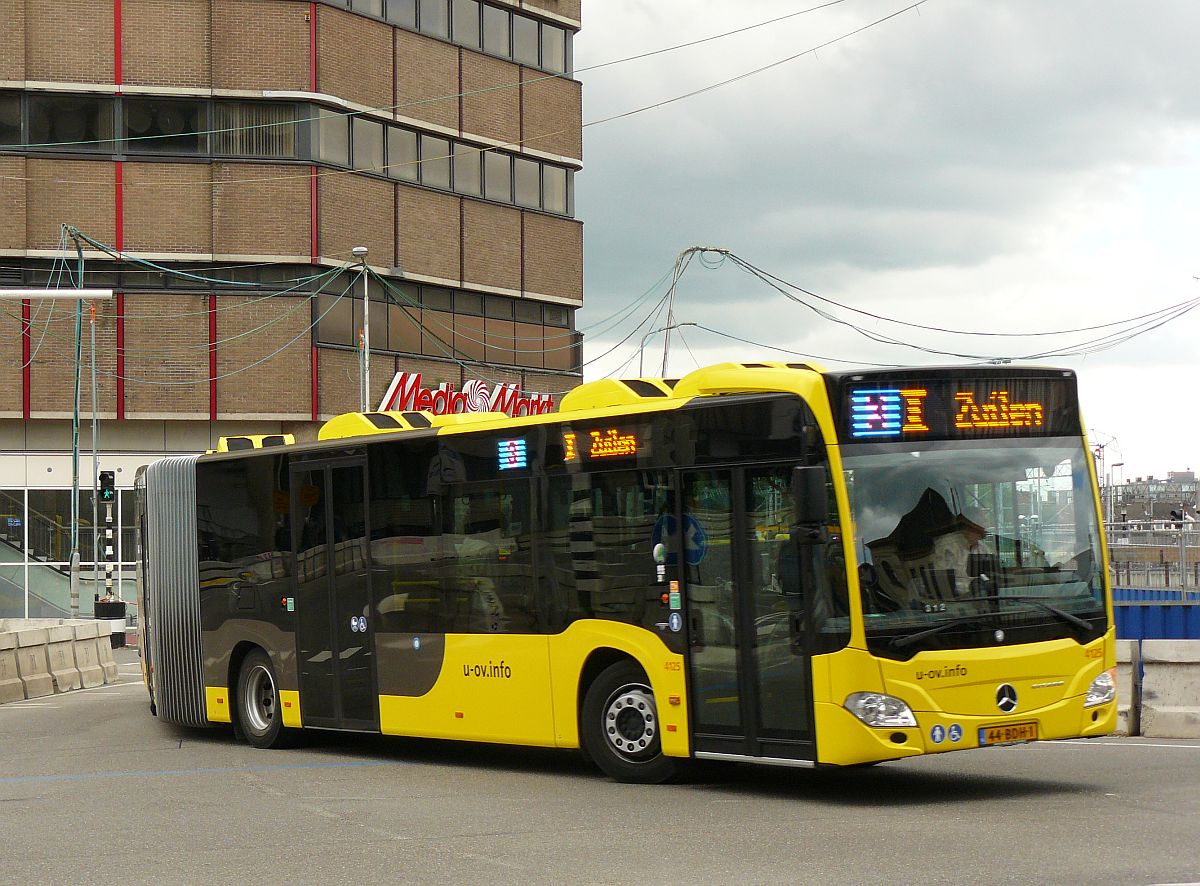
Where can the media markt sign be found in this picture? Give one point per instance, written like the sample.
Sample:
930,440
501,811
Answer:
405,393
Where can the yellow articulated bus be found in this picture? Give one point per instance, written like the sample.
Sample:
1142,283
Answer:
758,562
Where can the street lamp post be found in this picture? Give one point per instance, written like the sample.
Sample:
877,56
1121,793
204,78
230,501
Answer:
364,376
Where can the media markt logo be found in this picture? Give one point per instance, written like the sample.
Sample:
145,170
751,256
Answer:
405,393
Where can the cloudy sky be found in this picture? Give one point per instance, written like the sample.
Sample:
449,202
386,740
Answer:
1007,167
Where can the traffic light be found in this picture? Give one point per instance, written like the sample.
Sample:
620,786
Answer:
108,486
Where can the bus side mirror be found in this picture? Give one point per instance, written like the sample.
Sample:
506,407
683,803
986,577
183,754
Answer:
809,497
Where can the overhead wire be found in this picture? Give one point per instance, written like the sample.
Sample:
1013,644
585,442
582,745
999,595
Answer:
218,376
1153,321
927,327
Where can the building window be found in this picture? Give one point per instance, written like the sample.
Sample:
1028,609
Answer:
76,122
529,311
403,161
495,31
498,308
468,303
525,40
554,182
332,137
554,49
10,120
368,145
435,162
166,125
466,22
268,130
503,33
335,320
254,129
497,173
527,179
402,13
435,322
435,18
467,170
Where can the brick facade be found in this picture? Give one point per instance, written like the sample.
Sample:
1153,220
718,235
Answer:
187,189
496,113
553,255
428,241
553,117
166,354
263,356
53,370
166,43
76,192
261,209
69,41
11,358
12,199
354,58
357,211
260,44
427,79
12,47
493,238
245,208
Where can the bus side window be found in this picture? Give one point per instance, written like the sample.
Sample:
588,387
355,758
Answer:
598,531
487,571
405,541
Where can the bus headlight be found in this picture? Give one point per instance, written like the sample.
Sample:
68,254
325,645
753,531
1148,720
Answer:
877,709
1102,690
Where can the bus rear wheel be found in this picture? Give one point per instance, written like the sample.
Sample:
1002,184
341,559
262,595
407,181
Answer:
258,713
620,727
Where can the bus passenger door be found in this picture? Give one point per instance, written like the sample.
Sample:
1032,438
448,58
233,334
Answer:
334,634
750,690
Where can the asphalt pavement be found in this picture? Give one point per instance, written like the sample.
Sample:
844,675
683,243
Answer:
94,789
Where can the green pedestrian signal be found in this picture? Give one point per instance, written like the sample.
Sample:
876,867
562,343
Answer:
108,486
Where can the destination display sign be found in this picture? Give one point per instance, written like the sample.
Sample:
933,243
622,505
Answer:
600,444
958,408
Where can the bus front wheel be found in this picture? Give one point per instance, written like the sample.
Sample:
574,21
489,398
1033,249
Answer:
259,717
620,727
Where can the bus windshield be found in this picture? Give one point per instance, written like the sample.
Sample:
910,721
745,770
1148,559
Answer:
975,543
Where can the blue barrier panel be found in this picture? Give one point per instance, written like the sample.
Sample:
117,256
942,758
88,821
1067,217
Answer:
1147,620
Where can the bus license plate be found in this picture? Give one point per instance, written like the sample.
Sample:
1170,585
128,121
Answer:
1007,734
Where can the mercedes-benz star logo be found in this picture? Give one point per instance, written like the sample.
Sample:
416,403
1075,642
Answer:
1006,698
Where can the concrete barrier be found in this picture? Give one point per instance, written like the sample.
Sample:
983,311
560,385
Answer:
1128,687
40,656
60,655
33,666
11,688
87,655
1170,691
104,651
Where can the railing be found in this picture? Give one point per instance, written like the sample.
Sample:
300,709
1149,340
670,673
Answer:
1154,554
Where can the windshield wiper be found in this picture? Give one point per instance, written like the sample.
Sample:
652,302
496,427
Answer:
909,639
1060,614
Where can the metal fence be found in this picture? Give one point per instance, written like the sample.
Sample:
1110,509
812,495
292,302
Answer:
1154,554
